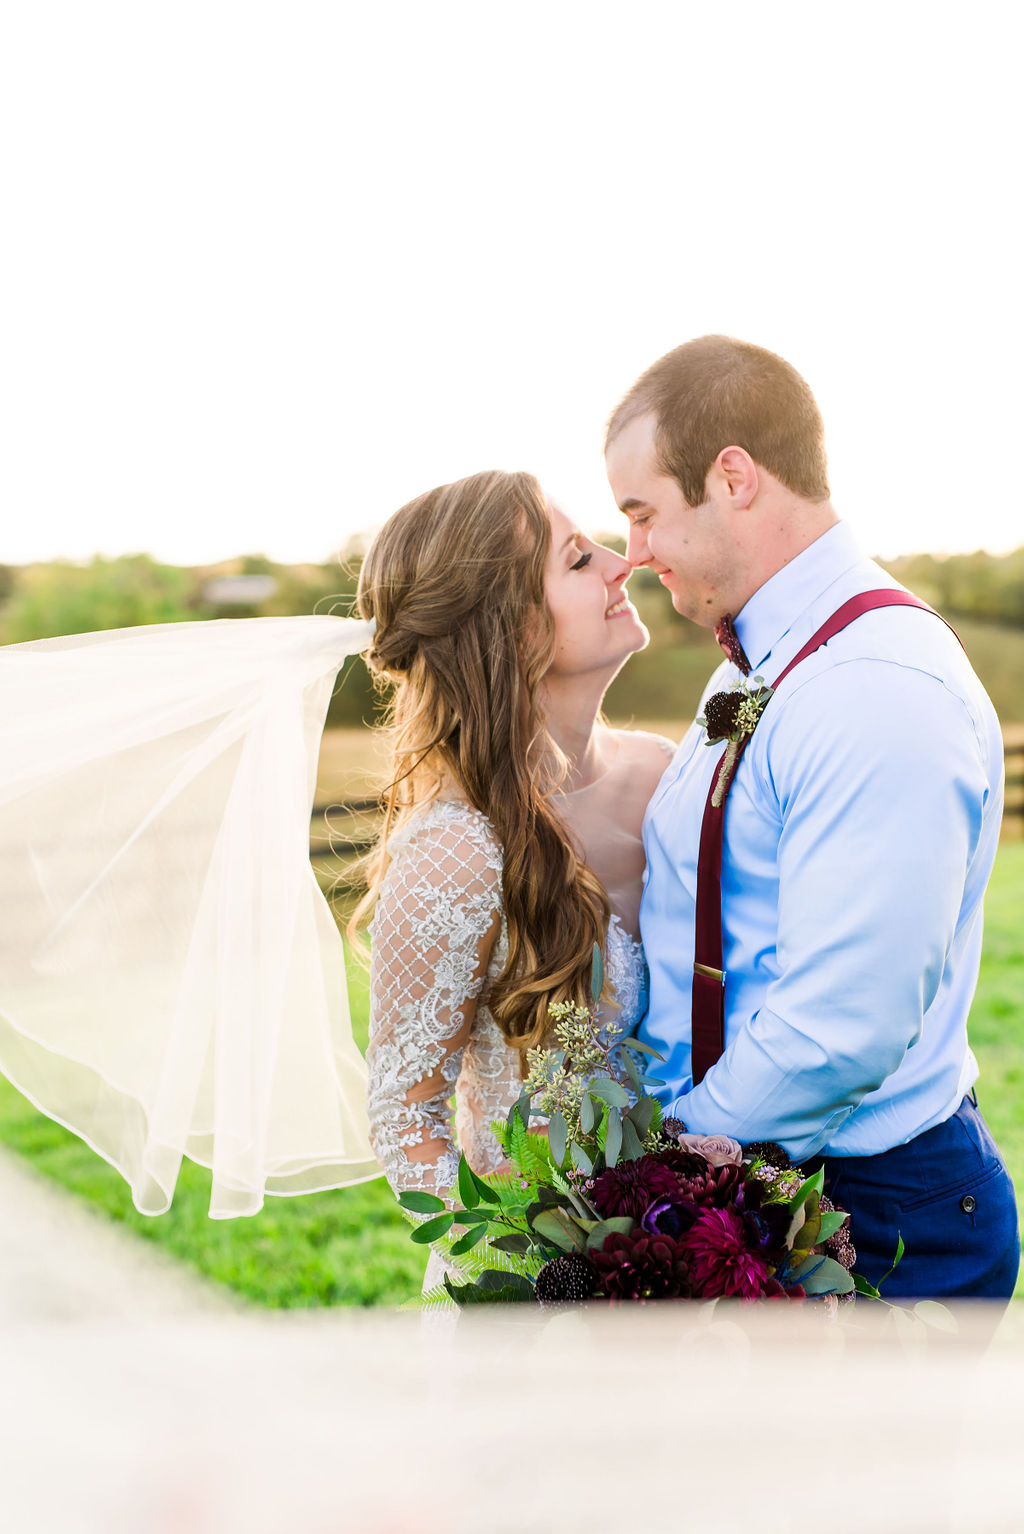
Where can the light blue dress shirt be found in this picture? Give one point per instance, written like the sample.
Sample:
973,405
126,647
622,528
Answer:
859,835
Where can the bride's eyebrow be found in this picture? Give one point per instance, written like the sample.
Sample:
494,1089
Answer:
574,537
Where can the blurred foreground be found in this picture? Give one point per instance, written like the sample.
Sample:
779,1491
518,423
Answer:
659,1419
169,1407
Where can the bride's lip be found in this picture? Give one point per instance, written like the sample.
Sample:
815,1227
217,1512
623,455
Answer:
620,608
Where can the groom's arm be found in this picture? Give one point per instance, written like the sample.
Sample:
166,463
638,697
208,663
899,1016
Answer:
878,778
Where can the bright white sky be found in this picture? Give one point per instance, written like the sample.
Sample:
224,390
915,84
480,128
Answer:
272,269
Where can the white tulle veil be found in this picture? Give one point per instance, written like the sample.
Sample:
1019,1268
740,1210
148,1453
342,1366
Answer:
172,980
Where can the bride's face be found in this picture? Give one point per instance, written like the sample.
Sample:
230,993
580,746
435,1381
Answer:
596,626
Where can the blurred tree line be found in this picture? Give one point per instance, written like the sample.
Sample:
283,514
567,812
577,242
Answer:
982,593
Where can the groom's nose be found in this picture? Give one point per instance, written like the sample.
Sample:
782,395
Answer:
637,551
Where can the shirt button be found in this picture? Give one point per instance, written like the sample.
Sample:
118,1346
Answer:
968,1203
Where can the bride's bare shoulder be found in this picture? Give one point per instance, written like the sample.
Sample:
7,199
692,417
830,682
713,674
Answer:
644,747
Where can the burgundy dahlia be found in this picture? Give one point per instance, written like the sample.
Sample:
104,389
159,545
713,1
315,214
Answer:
642,1267
709,1186
720,1260
632,1186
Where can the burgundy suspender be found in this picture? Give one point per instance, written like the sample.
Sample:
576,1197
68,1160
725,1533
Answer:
708,977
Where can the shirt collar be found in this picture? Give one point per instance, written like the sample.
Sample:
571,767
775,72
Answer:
770,613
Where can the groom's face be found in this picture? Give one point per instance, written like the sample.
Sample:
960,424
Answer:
687,547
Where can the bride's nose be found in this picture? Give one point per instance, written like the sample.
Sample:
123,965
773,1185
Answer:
617,568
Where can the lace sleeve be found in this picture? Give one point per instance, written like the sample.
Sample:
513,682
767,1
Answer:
438,916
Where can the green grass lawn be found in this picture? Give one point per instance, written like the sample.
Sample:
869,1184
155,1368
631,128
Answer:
352,1248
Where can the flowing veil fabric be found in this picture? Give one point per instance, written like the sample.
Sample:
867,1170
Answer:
172,980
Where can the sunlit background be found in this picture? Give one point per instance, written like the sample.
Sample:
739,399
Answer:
271,269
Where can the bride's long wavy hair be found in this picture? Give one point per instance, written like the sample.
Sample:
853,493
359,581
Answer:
455,582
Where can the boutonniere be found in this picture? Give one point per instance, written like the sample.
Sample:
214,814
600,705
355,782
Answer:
732,715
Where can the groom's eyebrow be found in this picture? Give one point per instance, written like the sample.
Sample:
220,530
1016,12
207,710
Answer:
630,504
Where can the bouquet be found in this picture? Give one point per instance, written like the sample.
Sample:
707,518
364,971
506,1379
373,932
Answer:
607,1200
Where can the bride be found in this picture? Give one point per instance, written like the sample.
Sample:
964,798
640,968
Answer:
512,838
171,978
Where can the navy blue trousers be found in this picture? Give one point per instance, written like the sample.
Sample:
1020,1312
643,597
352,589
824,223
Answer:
950,1197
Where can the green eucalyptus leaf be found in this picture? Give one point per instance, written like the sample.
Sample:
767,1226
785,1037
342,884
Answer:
641,1115
652,1081
863,1287
558,1135
588,1116
514,1242
478,1216
828,1277
632,1150
420,1203
596,975
632,1072
493,1287
488,1195
831,1220
938,1316
430,1230
641,1047
457,1291
559,1227
580,1158
620,1223
609,1091
467,1187
467,1242
612,1138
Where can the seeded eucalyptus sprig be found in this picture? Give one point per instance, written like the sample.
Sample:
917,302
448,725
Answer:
592,1089
732,715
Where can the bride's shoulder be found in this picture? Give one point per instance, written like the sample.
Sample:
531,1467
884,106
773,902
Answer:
644,751
448,826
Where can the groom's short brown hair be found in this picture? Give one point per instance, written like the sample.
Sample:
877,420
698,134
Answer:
716,392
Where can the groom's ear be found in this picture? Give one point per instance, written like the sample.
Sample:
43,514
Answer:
737,476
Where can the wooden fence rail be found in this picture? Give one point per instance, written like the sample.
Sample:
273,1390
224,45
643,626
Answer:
343,828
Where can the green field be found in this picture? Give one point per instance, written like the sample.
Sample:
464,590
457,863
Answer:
351,1247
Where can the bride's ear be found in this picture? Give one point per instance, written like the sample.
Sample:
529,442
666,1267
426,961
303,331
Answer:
737,476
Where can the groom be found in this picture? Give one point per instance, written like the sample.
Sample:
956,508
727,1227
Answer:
860,827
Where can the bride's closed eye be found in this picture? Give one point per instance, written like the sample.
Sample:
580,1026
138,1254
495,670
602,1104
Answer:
582,562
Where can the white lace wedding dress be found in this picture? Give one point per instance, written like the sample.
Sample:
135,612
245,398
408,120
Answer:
438,906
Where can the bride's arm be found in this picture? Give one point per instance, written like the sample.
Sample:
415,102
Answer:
438,916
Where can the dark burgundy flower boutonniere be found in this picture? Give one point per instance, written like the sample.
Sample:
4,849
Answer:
732,715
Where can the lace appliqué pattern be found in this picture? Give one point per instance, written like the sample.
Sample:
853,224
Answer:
438,902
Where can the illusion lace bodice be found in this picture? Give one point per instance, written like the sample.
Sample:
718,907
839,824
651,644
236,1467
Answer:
439,911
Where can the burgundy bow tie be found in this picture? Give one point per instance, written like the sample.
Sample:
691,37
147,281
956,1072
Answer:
725,633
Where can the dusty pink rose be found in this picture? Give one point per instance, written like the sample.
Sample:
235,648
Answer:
717,1150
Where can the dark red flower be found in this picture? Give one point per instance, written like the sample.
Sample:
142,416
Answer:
721,1262
632,1186
721,714
642,1267
709,1186
773,1290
